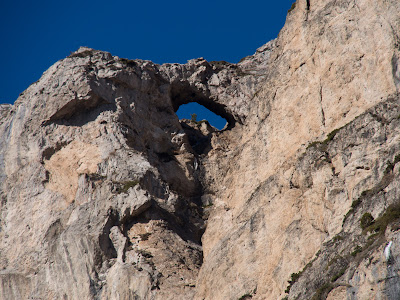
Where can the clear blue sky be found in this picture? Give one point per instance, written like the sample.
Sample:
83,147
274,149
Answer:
35,34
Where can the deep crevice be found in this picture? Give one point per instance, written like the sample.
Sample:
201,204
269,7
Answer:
105,242
199,138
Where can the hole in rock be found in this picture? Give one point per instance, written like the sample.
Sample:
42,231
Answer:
199,112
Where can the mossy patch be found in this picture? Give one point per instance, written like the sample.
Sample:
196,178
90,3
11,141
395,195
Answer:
357,249
366,220
322,145
338,275
391,214
323,291
123,187
383,183
295,276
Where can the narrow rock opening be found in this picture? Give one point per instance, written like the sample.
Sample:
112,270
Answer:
198,113
183,94
197,110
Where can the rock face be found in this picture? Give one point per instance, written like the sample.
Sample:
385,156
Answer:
106,194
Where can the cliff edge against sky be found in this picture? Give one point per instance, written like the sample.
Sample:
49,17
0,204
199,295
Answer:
106,194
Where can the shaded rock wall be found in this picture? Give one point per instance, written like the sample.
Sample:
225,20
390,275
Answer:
106,194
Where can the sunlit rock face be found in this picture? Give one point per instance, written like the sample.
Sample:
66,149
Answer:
106,194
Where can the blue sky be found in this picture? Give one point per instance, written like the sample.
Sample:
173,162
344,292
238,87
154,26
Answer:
35,34
186,110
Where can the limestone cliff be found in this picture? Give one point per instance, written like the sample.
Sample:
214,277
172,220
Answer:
106,194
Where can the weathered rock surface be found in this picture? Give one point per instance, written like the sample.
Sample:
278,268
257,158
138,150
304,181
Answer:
106,194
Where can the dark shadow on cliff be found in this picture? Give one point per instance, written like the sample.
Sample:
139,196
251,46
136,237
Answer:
79,114
199,135
186,221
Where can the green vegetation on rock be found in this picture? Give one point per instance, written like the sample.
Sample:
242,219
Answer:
391,214
366,220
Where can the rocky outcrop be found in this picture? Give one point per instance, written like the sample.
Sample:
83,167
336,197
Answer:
99,182
106,194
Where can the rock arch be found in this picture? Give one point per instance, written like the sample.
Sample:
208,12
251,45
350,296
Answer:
184,93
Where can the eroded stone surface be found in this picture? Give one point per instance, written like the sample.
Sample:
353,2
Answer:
105,194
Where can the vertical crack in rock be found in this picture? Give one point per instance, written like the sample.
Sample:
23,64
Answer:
396,71
322,105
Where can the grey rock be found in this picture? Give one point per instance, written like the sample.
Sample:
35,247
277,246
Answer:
106,194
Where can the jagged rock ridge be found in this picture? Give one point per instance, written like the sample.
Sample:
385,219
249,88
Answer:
106,194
